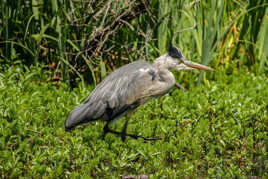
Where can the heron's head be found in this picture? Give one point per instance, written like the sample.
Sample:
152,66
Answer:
174,59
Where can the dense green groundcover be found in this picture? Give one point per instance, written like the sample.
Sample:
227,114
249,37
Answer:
217,129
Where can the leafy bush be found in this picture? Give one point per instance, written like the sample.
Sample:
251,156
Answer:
218,129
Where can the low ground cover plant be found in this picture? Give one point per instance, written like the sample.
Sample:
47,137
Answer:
216,129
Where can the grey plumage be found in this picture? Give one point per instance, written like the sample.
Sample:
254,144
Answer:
122,90
128,87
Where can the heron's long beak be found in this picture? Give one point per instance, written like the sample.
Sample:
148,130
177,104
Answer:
197,65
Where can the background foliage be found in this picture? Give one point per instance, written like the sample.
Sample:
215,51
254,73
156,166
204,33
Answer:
53,53
87,39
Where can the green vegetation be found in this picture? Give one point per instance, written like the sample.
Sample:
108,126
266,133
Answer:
214,130
86,39
54,52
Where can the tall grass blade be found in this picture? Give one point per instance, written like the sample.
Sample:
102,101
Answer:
263,41
163,14
35,7
27,26
5,16
209,32
61,28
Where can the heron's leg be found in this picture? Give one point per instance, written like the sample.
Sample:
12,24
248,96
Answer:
106,129
123,134
124,130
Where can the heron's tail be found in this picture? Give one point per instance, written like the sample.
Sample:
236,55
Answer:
77,116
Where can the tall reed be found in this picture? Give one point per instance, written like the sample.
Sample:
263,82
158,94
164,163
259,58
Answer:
89,39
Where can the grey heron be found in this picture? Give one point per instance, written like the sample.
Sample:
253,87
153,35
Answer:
125,89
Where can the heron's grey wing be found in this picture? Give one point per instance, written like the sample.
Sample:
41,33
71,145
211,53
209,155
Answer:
138,87
151,83
111,97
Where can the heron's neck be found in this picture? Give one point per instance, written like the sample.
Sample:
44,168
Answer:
163,63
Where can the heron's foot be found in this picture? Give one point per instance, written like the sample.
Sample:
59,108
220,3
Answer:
150,138
124,135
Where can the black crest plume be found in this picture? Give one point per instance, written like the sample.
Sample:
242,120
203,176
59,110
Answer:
174,52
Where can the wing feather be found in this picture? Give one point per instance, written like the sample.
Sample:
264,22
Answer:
122,90
113,93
